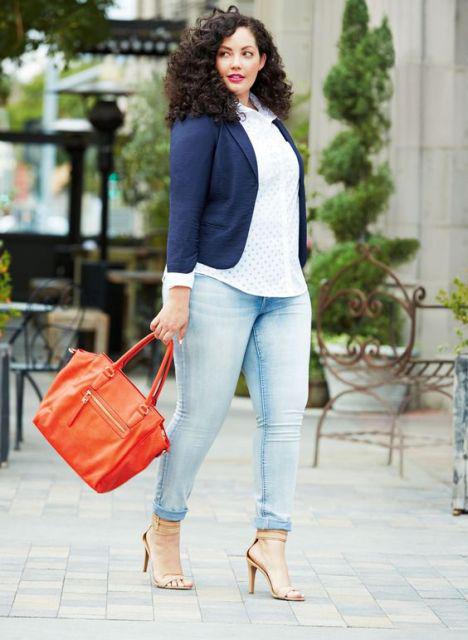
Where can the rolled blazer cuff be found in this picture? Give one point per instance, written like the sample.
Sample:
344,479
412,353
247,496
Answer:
174,279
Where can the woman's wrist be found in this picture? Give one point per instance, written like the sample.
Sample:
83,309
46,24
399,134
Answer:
179,293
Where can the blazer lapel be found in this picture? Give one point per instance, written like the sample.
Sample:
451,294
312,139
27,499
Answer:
240,136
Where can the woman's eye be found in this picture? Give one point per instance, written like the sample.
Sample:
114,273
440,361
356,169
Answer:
226,52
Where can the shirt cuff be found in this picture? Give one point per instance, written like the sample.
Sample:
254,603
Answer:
175,279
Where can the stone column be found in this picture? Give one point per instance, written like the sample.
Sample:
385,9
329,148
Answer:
290,26
460,436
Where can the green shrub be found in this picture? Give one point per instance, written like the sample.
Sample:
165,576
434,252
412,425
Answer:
357,90
457,301
144,158
5,284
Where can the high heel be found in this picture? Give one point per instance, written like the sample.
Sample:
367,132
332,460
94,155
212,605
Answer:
252,570
145,561
281,593
164,528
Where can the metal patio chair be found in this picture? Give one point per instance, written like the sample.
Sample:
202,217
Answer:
39,346
366,366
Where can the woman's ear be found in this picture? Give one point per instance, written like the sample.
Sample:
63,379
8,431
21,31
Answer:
263,59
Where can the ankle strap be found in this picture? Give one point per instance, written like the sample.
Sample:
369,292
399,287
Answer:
165,527
273,534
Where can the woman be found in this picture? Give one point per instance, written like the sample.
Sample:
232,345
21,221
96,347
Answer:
234,295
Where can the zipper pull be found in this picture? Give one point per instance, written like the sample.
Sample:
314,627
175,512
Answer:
86,397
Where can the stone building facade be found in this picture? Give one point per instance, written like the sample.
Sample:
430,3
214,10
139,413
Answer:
428,151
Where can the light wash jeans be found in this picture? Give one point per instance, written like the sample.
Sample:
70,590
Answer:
268,338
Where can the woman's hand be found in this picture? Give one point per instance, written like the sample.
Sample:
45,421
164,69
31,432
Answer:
174,316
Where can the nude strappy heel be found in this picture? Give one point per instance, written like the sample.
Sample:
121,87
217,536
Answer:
281,593
164,528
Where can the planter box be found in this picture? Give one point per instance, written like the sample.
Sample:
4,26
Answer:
362,375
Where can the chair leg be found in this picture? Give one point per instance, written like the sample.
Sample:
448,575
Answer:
401,447
19,409
34,385
392,440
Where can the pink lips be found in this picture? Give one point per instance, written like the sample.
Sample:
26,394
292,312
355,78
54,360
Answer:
235,78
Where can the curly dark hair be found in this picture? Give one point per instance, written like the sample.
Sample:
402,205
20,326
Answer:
193,85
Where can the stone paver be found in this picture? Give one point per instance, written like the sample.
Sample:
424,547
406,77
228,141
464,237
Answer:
377,556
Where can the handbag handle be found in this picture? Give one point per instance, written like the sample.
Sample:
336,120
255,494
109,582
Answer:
161,376
163,370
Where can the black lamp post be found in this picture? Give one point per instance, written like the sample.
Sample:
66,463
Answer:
106,118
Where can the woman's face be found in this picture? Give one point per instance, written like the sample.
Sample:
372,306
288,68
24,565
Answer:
238,61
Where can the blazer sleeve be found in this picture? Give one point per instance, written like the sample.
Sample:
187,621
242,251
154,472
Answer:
192,147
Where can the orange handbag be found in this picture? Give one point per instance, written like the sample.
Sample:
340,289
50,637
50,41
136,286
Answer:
99,421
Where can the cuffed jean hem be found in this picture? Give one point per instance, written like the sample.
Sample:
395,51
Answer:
169,515
271,523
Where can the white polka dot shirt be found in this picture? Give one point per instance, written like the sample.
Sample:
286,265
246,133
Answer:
269,264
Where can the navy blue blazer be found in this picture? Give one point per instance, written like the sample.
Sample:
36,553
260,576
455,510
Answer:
213,188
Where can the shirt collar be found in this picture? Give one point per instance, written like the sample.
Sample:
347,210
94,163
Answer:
262,109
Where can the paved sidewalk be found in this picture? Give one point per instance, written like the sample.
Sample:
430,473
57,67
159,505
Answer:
377,556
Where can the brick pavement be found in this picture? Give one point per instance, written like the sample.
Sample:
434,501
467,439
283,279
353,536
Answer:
375,555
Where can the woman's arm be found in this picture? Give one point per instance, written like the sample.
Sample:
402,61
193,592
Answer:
193,143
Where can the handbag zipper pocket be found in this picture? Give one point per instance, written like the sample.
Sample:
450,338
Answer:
105,411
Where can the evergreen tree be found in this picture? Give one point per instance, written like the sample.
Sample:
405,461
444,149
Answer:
61,25
357,89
